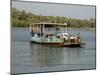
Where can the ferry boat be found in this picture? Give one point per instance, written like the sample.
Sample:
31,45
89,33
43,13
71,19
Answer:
53,34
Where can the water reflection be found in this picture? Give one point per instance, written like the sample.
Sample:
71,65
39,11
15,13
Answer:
43,55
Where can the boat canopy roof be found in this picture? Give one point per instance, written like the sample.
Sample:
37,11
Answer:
51,24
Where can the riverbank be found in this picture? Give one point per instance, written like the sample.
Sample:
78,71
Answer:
82,28
69,28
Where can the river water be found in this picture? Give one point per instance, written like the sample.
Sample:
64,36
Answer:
33,58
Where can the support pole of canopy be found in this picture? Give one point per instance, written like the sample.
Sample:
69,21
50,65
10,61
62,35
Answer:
43,28
66,27
37,29
30,28
40,29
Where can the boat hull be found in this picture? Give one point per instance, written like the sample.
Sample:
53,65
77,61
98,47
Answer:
55,42
58,44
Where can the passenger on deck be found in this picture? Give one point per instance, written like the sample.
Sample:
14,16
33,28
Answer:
65,38
72,39
32,32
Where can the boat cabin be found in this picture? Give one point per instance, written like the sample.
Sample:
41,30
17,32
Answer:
47,28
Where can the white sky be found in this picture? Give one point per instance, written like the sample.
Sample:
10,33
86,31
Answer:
49,9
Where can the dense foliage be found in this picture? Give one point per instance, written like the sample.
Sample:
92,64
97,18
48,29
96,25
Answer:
23,19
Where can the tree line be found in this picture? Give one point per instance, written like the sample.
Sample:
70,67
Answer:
23,19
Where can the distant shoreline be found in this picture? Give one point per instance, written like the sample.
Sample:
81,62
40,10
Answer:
91,29
82,28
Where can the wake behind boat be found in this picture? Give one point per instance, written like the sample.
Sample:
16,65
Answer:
53,34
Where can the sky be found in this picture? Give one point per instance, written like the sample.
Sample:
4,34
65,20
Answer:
51,9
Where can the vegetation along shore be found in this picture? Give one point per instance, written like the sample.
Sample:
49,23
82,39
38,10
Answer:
23,19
